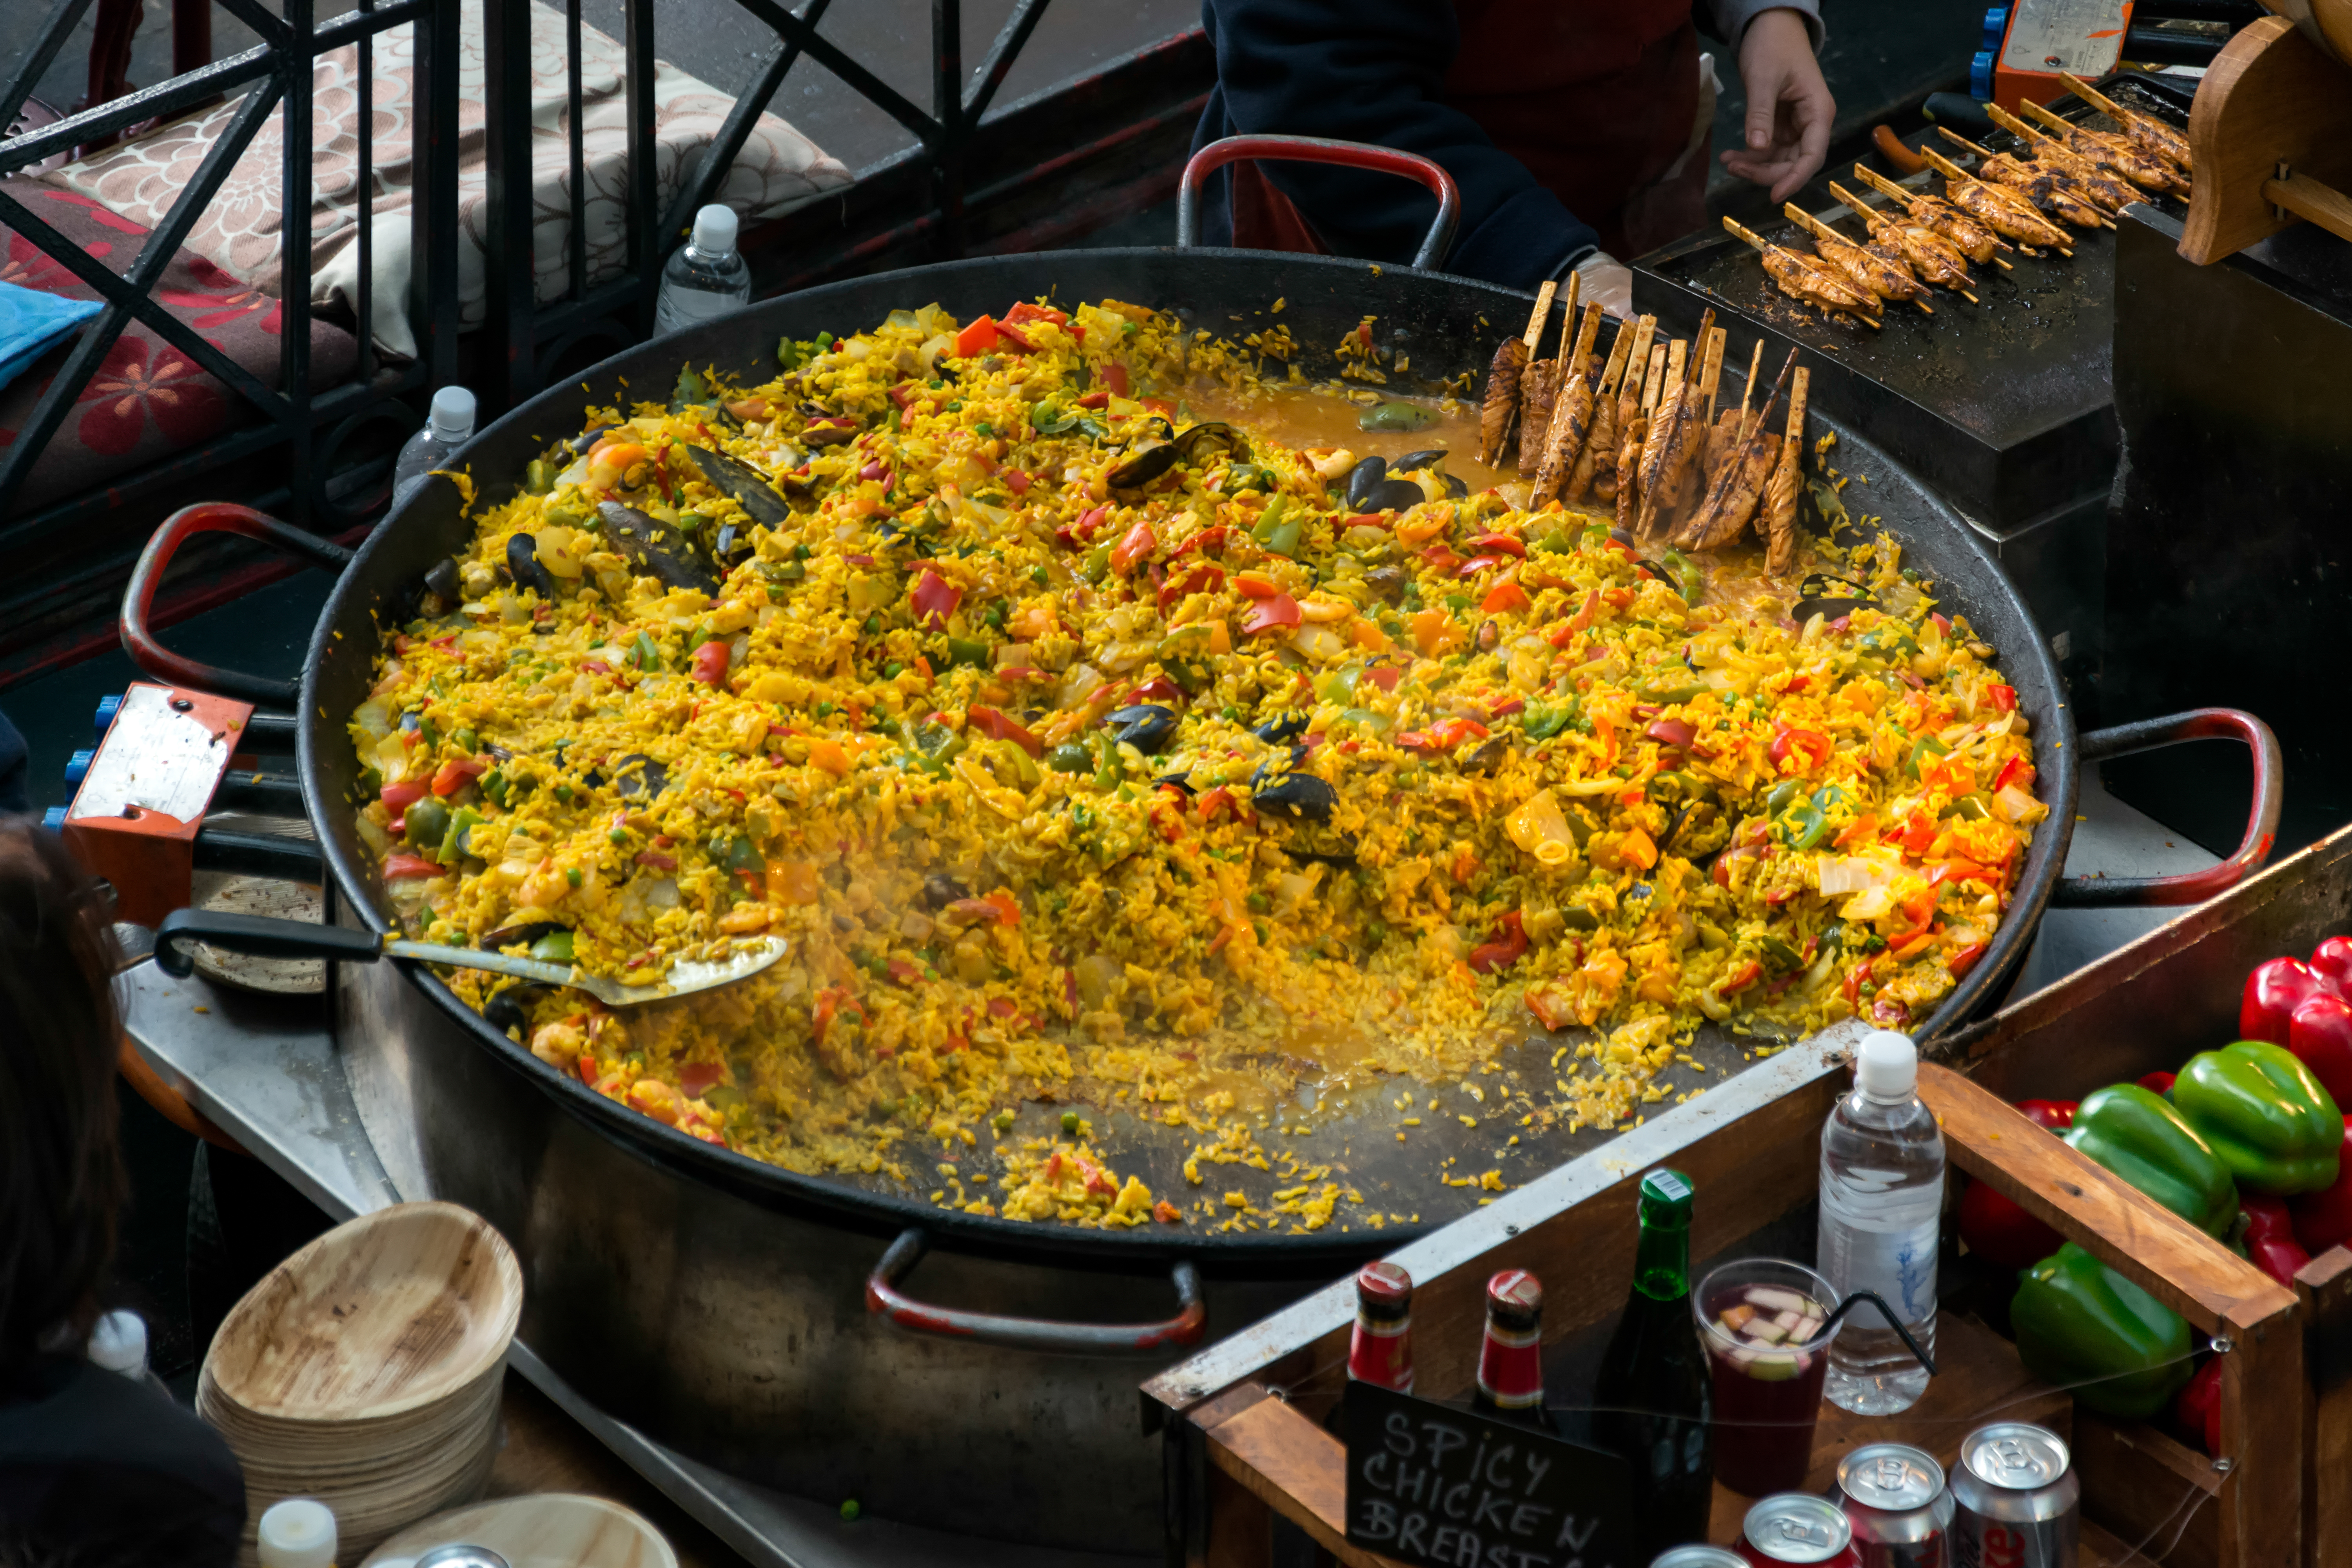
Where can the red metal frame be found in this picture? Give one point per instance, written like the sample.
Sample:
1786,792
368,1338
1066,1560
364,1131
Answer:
1324,150
2261,817
139,599
883,1298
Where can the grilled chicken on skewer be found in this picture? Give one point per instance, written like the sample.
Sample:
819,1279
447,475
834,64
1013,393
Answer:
1606,465
1931,256
1600,442
2127,159
1636,438
1571,415
1780,490
2049,187
1723,441
2106,188
1884,277
1997,206
1808,280
1539,387
2149,132
1732,498
1975,240
1502,400
1706,378
1668,450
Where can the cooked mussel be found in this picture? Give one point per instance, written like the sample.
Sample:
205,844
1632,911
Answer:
632,534
747,484
1147,726
1420,459
1147,459
1282,728
939,890
1196,444
522,560
643,781
441,578
1303,797
1393,495
1362,477
1819,596
732,546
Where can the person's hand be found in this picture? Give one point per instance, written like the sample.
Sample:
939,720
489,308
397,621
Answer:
1789,106
1609,282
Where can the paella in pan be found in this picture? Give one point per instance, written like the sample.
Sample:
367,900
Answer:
1097,727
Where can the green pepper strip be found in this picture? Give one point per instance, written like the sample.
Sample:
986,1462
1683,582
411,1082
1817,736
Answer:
1107,770
555,947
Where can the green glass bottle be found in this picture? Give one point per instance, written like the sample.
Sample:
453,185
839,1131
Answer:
1650,1402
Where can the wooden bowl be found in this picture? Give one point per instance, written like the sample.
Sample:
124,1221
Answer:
554,1530
384,1316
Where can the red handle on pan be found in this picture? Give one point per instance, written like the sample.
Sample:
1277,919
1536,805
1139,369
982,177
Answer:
2262,820
884,1297
1323,149
147,577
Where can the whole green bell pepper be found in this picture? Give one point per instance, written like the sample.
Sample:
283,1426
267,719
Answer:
2142,1138
2081,1325
2264,1114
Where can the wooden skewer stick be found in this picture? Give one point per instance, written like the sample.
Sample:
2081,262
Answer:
1540,316
1893,192
1677,360
1698,345
1614,371
1574,359
1637,362
1868,317
1711,367
1567,309
1796,430
1747,391
1953,171
2096,99
1656,382
1821,230
1988,154
2055,121
1855,204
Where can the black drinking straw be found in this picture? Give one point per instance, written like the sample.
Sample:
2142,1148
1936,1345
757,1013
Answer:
1891,1322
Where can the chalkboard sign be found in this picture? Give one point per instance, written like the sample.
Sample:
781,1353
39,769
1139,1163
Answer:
1448,1487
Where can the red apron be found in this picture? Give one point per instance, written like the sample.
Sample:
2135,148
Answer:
1597,98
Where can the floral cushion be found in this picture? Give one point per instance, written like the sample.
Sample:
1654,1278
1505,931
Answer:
778,170
147,399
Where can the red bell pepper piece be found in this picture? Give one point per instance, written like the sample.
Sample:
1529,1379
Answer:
2199,1407
2057,1115
2266,1007
999,726
1007,335
1475,564
2269,1237
456,772
2157,1082
1095,400
399,797
1159,688
1552,1004
1788,740
976,339
1008,910
1255,585
1271,614
1442,558
2320,1033
401,868
2323,1219
831,1004
1025,311
2002,698
1504,596
1114,376
1510,944
1140,542
1998,1229
1499,544
1966,959
1387,676
934,599
1201,579
696,1079
710,662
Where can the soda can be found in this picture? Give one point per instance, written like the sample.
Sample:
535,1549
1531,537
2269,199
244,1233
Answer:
1798,1527
1699,1557
2016,1500
1896,1501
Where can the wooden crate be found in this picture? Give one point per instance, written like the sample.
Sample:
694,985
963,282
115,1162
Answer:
1243,1419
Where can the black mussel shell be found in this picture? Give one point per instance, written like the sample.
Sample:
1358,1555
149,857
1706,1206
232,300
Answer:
732,547
580,444
1362,477
1456,487
1147,726
1300,796
631,533
939,890
1281,728
1487,757
1413,460
1388,581
642,783
522,561
1181,780
1196,444
443,579
745,483
1145,461
1393,495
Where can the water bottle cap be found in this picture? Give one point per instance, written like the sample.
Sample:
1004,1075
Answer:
118,1342
714,228
1886,1065
453,413
298,1533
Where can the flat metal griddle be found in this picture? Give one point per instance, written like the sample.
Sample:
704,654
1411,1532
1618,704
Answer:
2005,407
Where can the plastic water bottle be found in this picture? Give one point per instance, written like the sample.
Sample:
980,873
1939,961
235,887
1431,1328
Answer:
704,277
1882,1199
117,1344
450,426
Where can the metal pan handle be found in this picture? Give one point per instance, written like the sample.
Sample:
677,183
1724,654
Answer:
258,935
884,1297
147,578
1323,149
2262,820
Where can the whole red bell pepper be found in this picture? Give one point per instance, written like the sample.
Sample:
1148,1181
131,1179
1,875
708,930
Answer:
1993,1224
2273,993
2159,1082
2320,1033
2323,1219
2057,1115
2270,1241
2198,1408
2332,960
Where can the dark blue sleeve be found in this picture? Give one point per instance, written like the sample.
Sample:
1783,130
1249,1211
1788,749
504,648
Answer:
1372,70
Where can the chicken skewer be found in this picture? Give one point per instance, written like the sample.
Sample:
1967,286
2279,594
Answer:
1704,386
2145,129
1571,416
2125,157
1613,470
1997,206
1809,281
1637,438
1724,439
1885,277
1539,387
1667,451
1780,491
1732,498
2049,187
1600,443
1501,404
2108,189
1975,241
1932,256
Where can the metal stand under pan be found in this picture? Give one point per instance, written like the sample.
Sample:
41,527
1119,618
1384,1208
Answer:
266,1069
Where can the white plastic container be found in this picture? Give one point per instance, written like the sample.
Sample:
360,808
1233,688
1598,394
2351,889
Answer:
297,1533
449,427
1881,1203
705,276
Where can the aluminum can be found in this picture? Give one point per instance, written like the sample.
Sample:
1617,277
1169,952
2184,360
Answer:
1699,1557
1895,1499
2016,1500
1798,1527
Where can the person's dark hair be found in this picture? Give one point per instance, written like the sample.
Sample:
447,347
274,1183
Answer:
61,1174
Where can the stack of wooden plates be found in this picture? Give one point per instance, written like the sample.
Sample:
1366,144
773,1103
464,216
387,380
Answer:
365,1369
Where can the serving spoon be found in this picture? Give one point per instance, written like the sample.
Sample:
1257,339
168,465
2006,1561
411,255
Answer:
266,938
